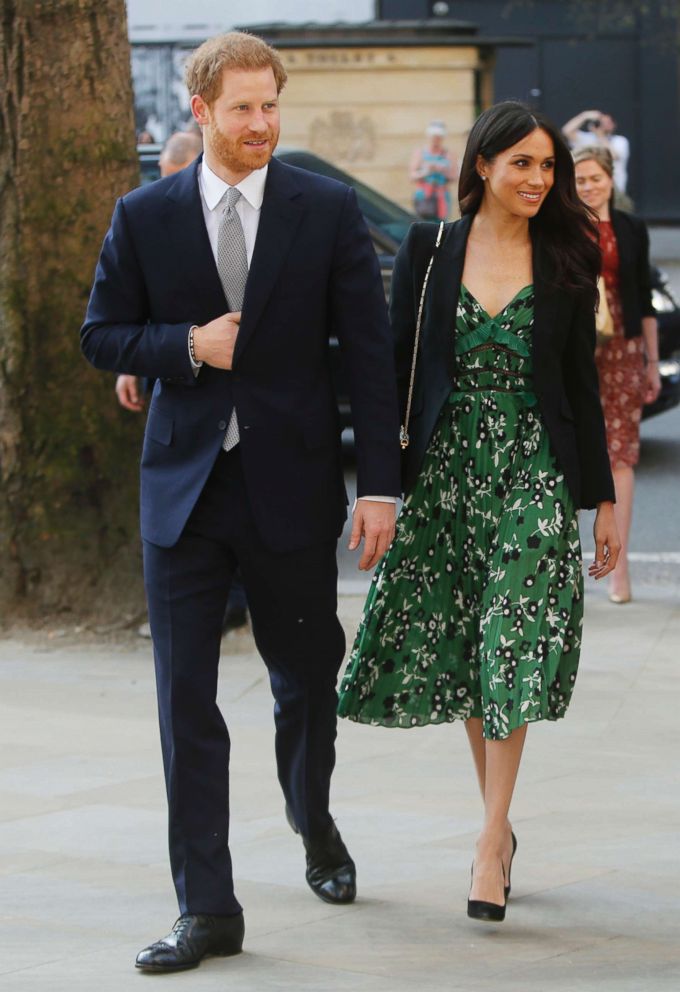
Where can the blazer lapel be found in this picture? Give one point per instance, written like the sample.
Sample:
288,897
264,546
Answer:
189,238
444,289
543,316
552,307
623,242
282,211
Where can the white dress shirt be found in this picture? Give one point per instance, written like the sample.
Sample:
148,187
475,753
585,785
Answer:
248,207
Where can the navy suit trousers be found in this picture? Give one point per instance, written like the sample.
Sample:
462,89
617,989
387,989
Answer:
292,598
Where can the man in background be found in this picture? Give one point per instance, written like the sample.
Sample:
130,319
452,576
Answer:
593,127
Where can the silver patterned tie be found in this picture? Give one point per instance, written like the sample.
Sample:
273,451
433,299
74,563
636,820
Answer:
232,266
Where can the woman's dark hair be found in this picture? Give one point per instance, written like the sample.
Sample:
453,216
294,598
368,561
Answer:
564,231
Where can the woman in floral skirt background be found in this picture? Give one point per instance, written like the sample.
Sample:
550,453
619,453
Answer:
628,363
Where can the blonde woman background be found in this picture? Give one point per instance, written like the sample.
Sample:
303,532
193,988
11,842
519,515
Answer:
628,364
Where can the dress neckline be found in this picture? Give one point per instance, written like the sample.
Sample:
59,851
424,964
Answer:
508,304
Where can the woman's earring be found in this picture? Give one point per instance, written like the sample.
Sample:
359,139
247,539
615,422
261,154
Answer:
483,178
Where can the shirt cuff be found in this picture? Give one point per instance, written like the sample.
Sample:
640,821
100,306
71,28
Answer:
376,499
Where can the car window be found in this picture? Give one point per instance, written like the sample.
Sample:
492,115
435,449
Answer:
387,221
378,210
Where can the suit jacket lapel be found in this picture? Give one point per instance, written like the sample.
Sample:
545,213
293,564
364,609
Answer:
282,211
189,237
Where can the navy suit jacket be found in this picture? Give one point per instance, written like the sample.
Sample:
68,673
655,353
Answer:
563,346
314,273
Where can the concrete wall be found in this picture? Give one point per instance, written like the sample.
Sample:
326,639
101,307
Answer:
365,109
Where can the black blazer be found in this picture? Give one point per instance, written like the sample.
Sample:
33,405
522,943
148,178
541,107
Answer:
314,273
563,344
635,289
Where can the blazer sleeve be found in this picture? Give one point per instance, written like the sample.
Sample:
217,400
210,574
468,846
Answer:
359,319
643,270
117,334
583,392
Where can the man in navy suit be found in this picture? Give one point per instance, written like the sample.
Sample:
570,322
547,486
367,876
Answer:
242,460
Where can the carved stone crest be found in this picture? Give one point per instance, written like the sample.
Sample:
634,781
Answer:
342,137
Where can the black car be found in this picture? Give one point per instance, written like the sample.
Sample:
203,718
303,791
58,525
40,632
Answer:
668,317
388,223
148,162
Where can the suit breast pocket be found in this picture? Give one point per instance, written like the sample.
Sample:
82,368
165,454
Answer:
159,427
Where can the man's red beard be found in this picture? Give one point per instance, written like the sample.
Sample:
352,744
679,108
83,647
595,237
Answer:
234,154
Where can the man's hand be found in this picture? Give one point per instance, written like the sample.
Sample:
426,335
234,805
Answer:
214,343
127,391
375,522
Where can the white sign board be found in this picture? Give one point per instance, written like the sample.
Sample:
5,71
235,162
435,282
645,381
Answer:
177,20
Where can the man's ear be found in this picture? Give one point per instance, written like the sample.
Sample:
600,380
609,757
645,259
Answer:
200,109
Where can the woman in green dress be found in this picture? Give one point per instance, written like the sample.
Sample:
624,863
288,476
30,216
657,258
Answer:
475,611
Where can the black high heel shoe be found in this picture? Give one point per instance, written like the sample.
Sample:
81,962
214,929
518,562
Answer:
514,848
487,912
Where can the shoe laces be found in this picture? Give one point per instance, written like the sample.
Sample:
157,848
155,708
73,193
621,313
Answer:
181,926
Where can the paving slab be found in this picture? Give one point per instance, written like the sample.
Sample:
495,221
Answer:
84,881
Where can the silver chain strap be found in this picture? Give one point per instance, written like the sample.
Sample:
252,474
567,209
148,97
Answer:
403,433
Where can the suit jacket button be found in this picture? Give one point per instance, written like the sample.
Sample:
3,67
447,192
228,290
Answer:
221,425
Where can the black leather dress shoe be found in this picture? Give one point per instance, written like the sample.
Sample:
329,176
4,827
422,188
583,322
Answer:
331,874
193,937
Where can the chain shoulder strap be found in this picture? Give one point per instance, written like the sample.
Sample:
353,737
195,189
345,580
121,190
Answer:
403,433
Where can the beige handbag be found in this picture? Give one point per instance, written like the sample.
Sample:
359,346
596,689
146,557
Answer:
604,322
403,433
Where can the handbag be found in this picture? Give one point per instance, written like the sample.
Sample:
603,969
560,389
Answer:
403,433
604,322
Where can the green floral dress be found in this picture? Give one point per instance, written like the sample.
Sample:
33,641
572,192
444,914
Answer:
476,609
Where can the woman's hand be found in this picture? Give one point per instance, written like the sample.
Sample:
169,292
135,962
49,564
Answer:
652,382
607,541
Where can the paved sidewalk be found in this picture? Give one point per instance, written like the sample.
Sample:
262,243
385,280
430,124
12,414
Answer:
84,881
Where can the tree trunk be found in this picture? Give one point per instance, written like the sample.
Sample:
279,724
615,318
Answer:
68,453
